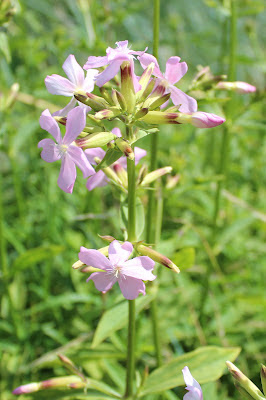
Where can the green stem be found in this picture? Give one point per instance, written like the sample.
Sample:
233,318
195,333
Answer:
131,229
153,228
225,147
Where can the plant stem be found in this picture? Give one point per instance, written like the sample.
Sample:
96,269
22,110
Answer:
153,229
131,303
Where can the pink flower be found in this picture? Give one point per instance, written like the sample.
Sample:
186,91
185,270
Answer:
114,58
76,81
173,73
206,120
65,148
128,273
99,178
238,87
193,387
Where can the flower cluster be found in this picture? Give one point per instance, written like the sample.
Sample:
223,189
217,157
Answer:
139,103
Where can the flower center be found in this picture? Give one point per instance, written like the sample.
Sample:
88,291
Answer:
117,271
62,149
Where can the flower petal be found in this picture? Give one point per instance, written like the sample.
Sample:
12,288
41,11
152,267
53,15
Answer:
97,180
92,153
103,281
188,104
117,132
109,73
118,254
81,161
64,111
49,124
50,152
188,378
175,70
140,268
67,175
89,82
139,154
95,62
131,287
146,59
94,258
76,121
73,71
57,84
193,394
206,120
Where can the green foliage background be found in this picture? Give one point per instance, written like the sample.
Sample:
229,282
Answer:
44,304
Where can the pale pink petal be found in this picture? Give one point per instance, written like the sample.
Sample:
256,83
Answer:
109,73
206,120
50,151
131,287
146,59
66,109
49,124
74,71
194,394
95,62
76,122
122,43
92,153
139,154
89,82
122,161
97,180
118,254
81,161
140,268
188,378
67,175
56,84
103,281
175,70
117,132
94,258
188,104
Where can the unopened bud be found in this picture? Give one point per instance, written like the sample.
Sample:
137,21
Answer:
111,174
243,392
91,129
152,176
60,120
155,256
106,95
12,94
78,264
108,113
244,382
121,173
114,98
147,91
107,238
144,80
161,117
172,181
142,173
141,113
95,140
124,146
127,86
63,382
238,87
263,378
71,366
121,101
160,101
95,102
29,388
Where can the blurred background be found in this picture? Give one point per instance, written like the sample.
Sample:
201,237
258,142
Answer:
44,303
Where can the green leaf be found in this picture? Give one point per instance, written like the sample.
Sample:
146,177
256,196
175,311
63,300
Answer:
184,258
4,46
116,318
206,364
110,157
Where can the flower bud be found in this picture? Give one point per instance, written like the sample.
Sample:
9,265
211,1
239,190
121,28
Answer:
107,238
29,388
95,102
71,366
108,113
172,181
141,113
78,264
160,101
244,382
124,146
238,87
145,80
142,173
127,86
155,256
244,393
106,95
263,378
121,173
64,381
205,120
147,91
95,140
114,98
152,176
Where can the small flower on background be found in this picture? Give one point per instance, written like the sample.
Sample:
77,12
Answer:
65,148
193,387
173,73
114,58
128,273
76,81
99,178
238,87
206,120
